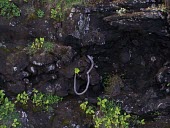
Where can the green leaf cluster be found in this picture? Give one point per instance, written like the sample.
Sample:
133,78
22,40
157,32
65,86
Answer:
40,13
44,101
22,98
76,70
9,9
110,115
39,100
62,6
40,44
107,114
37,44
87,109
57,13
48,46
8,115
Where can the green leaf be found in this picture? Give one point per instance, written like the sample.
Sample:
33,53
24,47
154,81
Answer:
41,39
76,70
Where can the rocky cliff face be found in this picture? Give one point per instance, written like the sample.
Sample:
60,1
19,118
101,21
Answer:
131,46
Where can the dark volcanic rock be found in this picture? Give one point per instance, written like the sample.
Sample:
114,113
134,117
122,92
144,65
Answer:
61,86
143,104
69,114
135,45
40,59
15,88
79,25
63,54
16,62
163,75
4,52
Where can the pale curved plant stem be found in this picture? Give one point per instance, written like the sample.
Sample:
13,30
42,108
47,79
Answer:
88,77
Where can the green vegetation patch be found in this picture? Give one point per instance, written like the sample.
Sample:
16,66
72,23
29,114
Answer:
44,101
9,117
107,114
40,13
8,114
38,100
40,44
62,6
9,9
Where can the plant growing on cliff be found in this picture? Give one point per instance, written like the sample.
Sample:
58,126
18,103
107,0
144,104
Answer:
62,6
22,98
37,44
76,71
8,115
108,114
9,9
2,94
57,13
40,13
87,109
40,101
112,84
40,44
49,100
70,3
37,98
48,46
44,101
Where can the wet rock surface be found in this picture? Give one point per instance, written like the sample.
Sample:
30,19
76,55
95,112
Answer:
134,46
